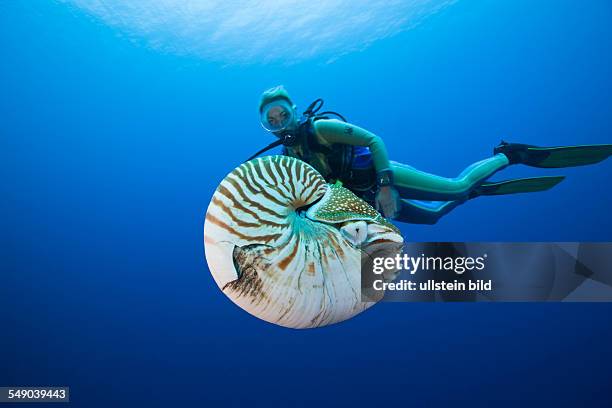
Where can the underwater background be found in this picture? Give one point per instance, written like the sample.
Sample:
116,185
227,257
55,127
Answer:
111,147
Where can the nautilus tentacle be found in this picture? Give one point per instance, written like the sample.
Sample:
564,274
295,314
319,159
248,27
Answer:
287,247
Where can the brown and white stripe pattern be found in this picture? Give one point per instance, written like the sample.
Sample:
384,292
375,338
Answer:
278,261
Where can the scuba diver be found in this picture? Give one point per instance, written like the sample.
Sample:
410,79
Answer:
343,152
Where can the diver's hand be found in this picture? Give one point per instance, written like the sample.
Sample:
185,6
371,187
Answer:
387,201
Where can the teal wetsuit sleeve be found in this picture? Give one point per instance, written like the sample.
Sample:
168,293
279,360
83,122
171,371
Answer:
415,184
335,131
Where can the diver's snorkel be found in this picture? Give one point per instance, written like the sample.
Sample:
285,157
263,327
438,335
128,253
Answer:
278,118
265,149
285,138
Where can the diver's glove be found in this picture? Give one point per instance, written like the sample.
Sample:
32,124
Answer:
387,198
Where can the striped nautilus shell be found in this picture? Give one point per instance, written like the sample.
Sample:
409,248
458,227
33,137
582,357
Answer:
288,248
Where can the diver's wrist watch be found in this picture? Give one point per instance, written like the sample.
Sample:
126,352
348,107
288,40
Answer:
384,178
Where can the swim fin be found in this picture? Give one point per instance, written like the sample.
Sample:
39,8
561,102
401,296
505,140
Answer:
515,186
554,157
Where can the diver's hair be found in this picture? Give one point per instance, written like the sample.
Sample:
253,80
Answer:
278,92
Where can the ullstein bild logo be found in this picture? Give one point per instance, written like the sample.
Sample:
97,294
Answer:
490,271
412,264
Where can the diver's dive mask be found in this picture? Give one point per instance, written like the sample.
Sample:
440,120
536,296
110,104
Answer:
278,116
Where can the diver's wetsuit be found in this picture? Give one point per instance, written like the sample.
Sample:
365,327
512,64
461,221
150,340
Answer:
413,185
441,194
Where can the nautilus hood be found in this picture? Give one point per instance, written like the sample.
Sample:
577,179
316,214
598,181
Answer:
340,205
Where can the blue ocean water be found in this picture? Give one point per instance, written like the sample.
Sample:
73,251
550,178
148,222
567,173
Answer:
111,150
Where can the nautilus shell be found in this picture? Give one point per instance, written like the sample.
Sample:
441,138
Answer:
288,248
